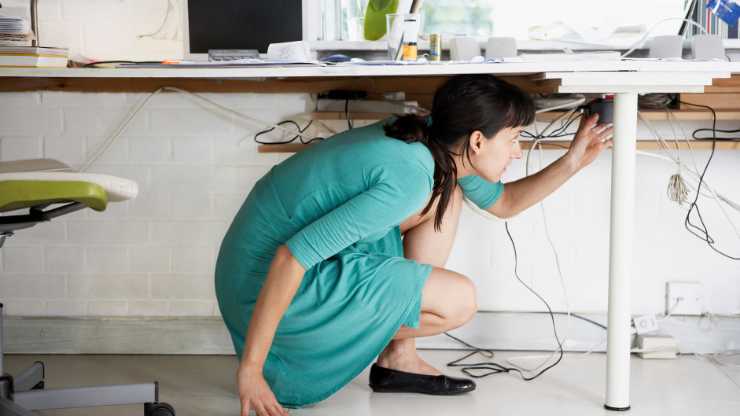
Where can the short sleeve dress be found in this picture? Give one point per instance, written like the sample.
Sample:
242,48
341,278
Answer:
337,206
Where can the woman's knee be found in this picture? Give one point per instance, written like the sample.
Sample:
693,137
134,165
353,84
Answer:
468,301
451,296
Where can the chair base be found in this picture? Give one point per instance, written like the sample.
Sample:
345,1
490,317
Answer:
22,394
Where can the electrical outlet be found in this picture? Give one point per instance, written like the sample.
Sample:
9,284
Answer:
684,298
645,324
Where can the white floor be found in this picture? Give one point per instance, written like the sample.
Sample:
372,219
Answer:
204,385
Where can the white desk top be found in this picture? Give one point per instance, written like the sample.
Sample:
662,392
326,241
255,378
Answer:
508,68
596,76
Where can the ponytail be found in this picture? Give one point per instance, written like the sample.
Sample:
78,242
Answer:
412,128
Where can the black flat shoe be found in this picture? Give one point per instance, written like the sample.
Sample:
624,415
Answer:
385,380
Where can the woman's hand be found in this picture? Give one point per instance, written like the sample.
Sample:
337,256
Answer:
254,393
589,141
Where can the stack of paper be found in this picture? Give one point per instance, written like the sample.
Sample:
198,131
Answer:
14,31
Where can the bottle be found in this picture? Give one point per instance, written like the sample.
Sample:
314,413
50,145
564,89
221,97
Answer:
435,47
410,36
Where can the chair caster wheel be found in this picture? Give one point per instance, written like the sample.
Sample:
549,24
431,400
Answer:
158,409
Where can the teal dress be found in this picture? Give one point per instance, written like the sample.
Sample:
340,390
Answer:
337,206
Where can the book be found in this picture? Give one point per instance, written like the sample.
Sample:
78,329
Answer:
33,56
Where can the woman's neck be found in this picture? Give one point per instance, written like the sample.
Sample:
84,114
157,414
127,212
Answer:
463,165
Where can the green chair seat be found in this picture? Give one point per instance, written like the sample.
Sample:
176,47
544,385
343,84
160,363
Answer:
18,194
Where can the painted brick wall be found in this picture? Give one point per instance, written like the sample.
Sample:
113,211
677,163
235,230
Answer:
154,256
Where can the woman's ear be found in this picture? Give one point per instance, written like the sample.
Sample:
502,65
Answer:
476,141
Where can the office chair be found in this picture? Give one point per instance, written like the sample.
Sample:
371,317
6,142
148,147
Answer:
49,189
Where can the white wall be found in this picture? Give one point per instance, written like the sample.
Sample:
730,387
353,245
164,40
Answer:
154,256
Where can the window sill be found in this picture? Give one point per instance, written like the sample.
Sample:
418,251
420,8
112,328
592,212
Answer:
529,45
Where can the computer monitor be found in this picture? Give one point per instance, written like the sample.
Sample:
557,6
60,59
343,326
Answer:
244,24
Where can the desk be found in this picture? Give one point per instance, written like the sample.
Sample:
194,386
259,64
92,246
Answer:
625,79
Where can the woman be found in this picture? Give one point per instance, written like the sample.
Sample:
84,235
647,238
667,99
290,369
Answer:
314,279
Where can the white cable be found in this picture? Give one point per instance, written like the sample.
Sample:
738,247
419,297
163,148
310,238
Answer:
642,40
707,192
727,353
239,115
574,103
116,133
672,119
671,310
734,205
100,150
695,172
171,8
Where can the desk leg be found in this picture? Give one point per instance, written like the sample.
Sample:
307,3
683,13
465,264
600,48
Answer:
621,252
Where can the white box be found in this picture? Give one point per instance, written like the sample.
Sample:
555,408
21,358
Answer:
656,347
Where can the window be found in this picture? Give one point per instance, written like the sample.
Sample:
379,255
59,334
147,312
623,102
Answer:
522,19
472,17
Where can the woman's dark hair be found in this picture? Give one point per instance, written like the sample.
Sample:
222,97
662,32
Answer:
462,105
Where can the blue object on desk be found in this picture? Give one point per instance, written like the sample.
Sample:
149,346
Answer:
336,58
726,10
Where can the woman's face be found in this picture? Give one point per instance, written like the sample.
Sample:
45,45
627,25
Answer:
491,156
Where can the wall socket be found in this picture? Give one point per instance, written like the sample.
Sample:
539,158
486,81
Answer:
645,324
684,298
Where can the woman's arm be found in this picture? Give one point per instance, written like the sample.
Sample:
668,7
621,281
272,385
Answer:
523,193
282,281
519,195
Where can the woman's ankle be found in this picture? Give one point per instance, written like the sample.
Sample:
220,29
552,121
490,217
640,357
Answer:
398,354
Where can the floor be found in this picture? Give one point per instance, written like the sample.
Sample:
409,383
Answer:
204,385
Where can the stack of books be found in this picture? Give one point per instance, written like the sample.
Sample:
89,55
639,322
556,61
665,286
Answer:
15,49
33,57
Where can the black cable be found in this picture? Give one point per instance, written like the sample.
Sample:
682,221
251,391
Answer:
702,232
93,64
486,352
346,114
573,314
298,136
583,318
714,132
489,353
564,126
490,367
559,132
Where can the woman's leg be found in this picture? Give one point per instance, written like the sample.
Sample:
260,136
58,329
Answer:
448,298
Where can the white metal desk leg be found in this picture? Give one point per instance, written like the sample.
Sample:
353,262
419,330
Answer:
621,252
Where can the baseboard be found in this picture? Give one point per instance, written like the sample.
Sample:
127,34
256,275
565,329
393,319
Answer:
493,330
116,336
